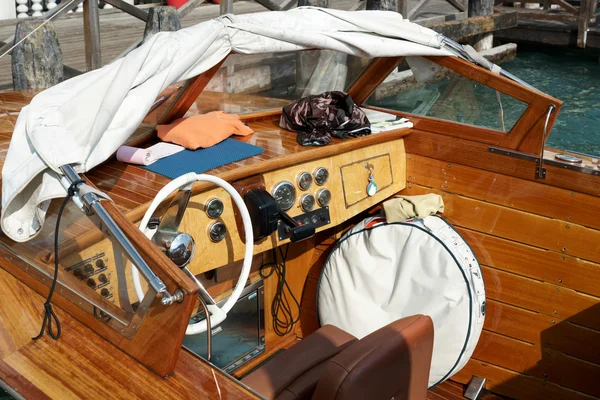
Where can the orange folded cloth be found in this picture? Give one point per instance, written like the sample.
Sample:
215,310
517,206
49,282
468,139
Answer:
203,130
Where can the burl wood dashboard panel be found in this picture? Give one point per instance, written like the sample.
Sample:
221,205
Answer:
349,163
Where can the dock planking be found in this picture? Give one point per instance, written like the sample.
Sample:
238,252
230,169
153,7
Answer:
119,30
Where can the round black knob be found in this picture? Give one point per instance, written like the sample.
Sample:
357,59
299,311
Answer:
105,292
91,283
100,263
103,278
78,273
88,268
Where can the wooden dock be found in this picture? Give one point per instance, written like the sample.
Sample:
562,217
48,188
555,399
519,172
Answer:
562,23
118,30
550,33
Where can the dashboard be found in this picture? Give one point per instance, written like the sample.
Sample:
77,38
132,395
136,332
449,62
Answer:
323,192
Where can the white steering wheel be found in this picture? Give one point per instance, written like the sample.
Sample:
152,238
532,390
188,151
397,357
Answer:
218,314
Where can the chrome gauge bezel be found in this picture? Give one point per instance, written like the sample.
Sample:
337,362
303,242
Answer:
311,205
302,176
213,235
319,193
316,174
289,202
212,202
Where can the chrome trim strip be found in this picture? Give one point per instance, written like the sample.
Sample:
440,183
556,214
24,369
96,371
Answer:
547,161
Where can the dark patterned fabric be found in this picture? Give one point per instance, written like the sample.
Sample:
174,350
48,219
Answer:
317,118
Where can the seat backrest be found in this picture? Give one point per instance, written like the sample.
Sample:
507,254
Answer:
392,362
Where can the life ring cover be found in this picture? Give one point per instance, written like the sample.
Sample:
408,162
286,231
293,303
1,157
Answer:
380,272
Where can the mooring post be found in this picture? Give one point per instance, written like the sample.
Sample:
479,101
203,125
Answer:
400,6
226,7
306,61
91,34
162,19
478,8
37,63
583,22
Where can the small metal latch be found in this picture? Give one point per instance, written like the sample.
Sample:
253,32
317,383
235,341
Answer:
475,387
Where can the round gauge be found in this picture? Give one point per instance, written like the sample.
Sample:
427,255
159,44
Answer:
321,176
307,202
214,208
324,197
285,195
304,180
217,231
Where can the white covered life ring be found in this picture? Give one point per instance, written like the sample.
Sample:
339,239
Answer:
380,272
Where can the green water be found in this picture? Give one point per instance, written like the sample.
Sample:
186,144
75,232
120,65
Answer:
573,77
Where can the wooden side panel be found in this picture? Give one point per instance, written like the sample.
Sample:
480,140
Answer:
515,385
509,191
541,362
521,259
477,155
526,325
519,226
539,246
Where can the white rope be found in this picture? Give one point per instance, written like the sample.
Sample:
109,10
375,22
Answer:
32,32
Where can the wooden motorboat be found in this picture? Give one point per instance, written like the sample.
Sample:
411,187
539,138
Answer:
531,219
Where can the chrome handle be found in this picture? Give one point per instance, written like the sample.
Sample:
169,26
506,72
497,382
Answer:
541,170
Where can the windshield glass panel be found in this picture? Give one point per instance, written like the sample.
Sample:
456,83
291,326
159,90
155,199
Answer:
423,88
254,83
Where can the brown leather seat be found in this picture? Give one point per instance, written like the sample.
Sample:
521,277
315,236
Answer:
392,362
294,373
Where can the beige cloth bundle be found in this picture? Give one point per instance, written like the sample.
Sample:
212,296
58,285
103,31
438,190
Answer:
402,208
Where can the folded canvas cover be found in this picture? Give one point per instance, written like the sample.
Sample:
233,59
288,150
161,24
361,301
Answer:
84,120
380,272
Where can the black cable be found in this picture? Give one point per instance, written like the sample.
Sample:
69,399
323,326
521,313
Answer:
49,314
283,317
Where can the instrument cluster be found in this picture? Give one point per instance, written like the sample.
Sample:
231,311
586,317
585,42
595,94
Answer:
285,193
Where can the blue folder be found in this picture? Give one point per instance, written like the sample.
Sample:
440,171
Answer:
203,160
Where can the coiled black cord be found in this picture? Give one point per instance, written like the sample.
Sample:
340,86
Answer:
281,310
49,314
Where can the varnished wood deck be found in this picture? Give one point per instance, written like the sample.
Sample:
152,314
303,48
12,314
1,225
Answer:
81,364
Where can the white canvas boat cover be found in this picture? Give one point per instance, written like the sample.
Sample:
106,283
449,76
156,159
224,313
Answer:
380,272
84,120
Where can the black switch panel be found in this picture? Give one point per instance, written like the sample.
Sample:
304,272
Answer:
317,218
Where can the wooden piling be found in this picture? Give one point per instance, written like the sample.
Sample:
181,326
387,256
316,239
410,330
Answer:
585,13
226,7
384,5
37,63
479,8
91,34
162,19
314,3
